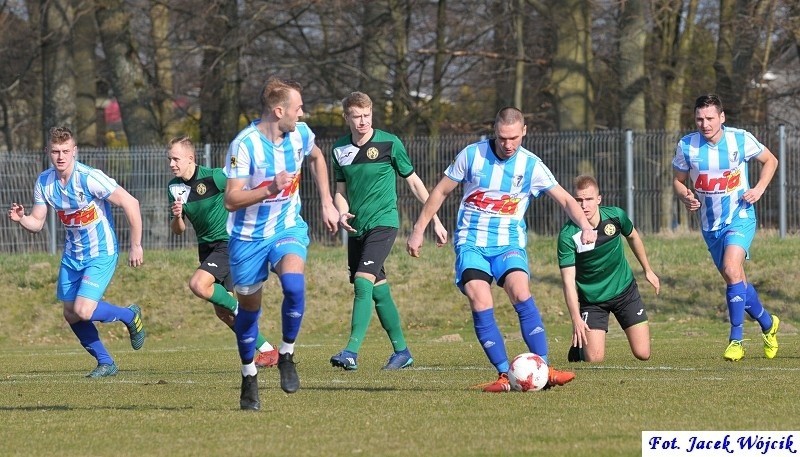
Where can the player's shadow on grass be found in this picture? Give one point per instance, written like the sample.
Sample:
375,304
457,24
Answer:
95,408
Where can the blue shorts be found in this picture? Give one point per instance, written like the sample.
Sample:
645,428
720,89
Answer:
740,232
252,260
495,261
86,278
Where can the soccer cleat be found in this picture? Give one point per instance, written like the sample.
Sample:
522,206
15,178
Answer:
735,350
346,359
771,338
558,378
248,400
399,360
501,385
136,328
267,359
576,354
290,382
102,370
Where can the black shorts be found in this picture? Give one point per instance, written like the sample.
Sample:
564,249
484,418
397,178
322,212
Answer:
214,259
368,252
627,307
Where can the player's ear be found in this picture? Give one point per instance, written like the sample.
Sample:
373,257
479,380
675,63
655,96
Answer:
599,198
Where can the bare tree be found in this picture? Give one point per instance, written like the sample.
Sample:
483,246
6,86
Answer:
132,86
58,70
633,82
84,44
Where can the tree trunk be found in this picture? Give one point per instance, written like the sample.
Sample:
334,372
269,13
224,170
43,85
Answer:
83,49
631,66
164,99
59,75
219,92
131,86
373,54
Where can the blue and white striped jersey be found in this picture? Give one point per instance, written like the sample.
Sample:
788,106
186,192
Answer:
82,207
253,157
719,174
496,194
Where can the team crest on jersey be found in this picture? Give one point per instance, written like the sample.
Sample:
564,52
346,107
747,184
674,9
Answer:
372,153
733,156
298,155
81,196
233,161
609,229
518,180
201,189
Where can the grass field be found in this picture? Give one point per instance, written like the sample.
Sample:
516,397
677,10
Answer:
179,394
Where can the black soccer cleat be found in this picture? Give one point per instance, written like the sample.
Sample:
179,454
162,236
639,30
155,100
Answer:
575,354
290,382
249,398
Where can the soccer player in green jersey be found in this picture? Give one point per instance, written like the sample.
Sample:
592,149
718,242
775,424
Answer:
597,279
365,165
196,193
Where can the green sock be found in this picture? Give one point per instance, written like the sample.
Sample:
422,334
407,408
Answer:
223,299
388,315
362,313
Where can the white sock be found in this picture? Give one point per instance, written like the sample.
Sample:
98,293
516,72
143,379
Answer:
286,347
266,347
249,369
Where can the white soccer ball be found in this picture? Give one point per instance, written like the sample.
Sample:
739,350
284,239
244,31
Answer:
528,371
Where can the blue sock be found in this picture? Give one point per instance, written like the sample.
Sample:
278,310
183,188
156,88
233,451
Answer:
90,340
530,323
736,295
293,306
756,310
490,338
246,328
106,312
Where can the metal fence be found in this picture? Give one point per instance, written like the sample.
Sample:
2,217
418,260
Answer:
633,168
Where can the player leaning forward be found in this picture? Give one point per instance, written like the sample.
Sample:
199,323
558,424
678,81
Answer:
499,176
82,197
266,230
715,159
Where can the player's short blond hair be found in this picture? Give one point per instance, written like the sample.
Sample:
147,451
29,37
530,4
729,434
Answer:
60,135
276,92
356,100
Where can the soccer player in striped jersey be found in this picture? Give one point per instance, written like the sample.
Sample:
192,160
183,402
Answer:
196,194
366,164
499,177
266,230
82,197
714,159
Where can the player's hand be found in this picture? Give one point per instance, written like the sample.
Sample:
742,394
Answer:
177,208
653,280
690,201
281,181
441,234
135,256
414,243
343,218
579,329
16,212
752,195
588,236
330,217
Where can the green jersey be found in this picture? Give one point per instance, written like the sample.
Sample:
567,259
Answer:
370,173
202,202
601,272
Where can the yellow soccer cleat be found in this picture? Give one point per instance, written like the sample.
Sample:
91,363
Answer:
771,339
735,351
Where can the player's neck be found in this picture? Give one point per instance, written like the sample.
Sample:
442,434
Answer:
63,176
360,139
190,170
269,128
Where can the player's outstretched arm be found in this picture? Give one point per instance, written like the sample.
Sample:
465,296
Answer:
130,206
637,246
32,222
421,193
432,205
574,211
319,169
579,327
342,206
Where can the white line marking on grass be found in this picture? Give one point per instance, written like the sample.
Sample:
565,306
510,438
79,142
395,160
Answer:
670,368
